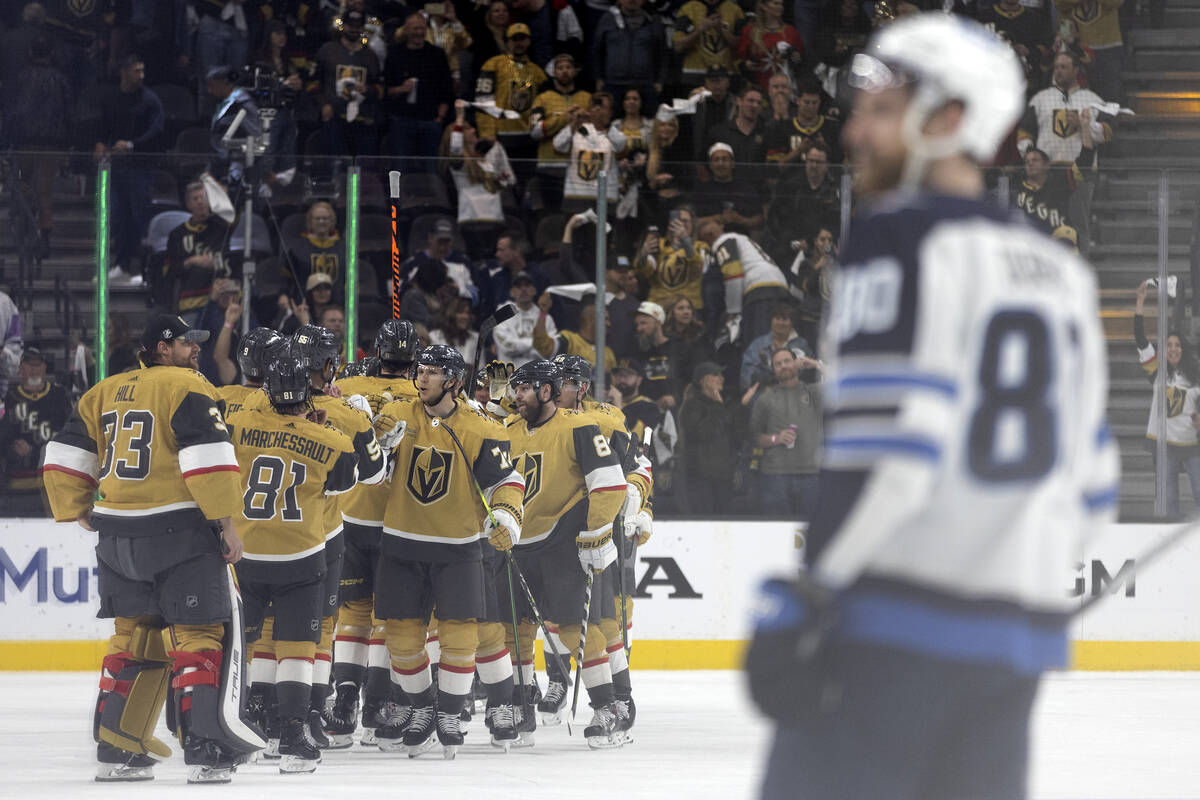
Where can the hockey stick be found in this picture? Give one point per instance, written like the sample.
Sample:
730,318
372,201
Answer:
587,612
1182,531
502,314
394,192
645,443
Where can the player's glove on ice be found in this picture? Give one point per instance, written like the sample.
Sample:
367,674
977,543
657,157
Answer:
596,551
388,430
786,658
505,532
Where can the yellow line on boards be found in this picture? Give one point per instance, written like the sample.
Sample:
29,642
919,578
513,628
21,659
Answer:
58,655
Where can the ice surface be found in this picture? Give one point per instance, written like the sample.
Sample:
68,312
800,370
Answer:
1096,735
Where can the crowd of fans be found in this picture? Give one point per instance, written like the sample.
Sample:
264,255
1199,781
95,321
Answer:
715,123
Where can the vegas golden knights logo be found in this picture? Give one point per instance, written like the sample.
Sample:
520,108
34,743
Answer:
81,8
324,262
712,42
1064,126
520,97
1086,12
531,471
590,163
1175,398
674,271
429,474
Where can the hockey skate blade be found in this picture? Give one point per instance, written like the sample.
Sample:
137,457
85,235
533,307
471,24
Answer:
340,741
605,742
210,774
390,745
423,747
503,744
551,718
449,751
295,765
119,773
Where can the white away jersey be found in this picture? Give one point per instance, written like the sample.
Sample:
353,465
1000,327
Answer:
966,452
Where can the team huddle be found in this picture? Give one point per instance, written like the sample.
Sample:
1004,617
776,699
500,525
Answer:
396,546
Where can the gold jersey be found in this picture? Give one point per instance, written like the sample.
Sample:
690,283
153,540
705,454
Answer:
365,505
293,469
153,441
573,481
548,117
234,396
372,467
636,467
572,343
673,271
511,85
434,512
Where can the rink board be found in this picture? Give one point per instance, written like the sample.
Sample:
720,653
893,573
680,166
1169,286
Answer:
693,591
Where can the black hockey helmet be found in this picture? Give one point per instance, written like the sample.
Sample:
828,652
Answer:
539,373
574,368
368,367
317,346
286,379
256,350
445,357
397,341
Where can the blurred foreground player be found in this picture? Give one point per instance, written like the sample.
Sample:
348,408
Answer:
152,442
966,453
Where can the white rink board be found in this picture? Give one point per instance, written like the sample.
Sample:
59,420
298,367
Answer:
695,580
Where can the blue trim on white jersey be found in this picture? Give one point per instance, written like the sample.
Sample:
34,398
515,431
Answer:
1103,436
880,446
934,383
984,636
1102,499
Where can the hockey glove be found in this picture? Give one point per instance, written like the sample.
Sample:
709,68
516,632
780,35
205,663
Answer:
505,533
361,403
785,664
378,401
644,523
498,375
388,430
596,551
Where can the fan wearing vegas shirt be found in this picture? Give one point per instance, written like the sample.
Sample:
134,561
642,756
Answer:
966,452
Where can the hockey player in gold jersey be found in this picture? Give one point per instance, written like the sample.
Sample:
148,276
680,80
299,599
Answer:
360,655
254,356
574,488
295,466
319,351
635,517
152,446
430,554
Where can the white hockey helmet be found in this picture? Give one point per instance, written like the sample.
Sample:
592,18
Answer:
944,58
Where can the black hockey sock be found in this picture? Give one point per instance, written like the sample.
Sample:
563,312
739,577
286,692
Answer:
499,694
318,695
293,699
601,695
344,671
621,685
379,685
451,703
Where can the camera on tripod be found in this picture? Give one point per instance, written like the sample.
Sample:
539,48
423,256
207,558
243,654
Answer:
268,90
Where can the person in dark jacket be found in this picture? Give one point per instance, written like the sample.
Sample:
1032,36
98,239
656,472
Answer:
629,52
706,436
419,95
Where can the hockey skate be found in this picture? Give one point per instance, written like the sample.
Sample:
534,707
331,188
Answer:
297,749
371,720
207,762
449,734
389,735
116,764
502,725
343,719
418,733
525,723
601,732
316,728
626,711
554,703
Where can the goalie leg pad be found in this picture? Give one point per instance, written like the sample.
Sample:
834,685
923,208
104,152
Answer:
133,690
